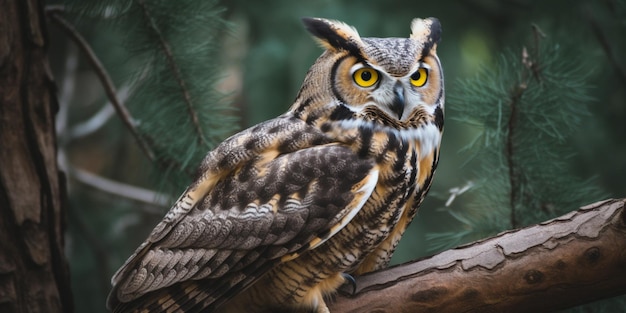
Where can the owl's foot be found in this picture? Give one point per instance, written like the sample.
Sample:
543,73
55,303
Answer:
349,280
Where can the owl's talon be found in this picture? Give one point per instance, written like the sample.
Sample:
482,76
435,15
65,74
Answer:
350,280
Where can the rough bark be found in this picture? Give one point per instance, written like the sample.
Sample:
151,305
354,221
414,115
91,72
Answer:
33,271
576,258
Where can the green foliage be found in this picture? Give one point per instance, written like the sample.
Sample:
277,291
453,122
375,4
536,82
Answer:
170,59
525,112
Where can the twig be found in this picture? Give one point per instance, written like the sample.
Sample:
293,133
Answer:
457,191
120,189
107,83
532,64
113,187
167,50
54,8
516,96
513,173
93,124
97,120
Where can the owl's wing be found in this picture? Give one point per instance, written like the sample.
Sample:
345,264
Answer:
268,208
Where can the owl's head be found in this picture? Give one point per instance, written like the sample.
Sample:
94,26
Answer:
397,81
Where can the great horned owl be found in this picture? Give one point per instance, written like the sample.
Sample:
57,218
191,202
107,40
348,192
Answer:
281,212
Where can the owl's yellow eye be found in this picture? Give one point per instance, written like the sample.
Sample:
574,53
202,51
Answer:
365,77
419,78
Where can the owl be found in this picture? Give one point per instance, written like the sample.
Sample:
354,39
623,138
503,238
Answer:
281,214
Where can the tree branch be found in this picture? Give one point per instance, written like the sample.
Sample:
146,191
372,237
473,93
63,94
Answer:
104,77
122,190
577,258
169,55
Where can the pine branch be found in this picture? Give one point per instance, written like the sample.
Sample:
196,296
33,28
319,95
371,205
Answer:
526,109
573,259
170,52
107,82
169,55
513,171
530,63
144,141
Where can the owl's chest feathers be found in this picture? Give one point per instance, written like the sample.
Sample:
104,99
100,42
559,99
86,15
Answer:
402,154
405,159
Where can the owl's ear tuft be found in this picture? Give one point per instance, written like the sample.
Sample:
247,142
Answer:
334,35
427,31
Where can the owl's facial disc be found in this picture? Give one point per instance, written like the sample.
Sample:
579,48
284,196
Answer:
370,87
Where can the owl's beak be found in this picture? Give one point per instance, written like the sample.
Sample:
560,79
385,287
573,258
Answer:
397,106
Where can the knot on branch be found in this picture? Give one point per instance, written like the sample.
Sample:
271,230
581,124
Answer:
534,277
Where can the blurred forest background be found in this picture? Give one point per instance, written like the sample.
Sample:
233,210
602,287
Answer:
192,72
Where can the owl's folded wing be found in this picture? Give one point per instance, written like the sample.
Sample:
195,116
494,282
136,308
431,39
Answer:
269,209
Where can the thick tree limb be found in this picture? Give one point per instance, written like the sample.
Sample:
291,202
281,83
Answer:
576,258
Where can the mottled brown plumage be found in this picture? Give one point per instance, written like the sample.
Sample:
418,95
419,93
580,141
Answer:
279,212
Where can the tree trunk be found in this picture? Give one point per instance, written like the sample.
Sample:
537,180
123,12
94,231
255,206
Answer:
576,258
34,276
